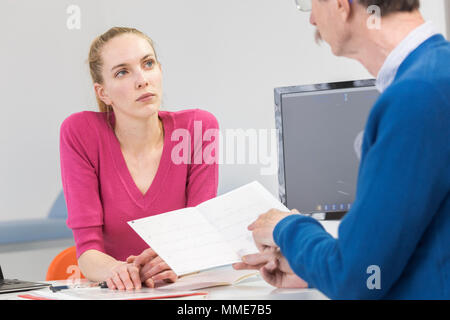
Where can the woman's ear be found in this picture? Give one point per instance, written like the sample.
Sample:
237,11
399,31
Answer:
101,94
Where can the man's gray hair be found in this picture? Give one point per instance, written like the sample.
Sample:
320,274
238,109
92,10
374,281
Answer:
391,6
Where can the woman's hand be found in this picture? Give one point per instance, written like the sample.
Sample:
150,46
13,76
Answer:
124,276
152,268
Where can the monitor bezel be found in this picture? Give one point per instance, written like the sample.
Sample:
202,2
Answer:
278,95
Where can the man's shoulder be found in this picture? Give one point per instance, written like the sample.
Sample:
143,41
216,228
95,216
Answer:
423,78
413,101
429,63
417,91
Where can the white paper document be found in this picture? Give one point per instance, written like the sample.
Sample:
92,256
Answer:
221,276
211,234
97,293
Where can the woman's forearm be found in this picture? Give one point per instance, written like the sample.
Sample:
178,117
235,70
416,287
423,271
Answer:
96,265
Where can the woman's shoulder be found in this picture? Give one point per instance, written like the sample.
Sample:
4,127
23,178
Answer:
83,131
82,121
85,127
186,118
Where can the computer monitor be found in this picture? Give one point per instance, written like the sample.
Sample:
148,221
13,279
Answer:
320,129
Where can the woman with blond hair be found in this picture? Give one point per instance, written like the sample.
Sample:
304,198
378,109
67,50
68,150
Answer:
117,164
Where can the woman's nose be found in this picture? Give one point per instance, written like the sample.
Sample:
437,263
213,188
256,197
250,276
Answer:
141,80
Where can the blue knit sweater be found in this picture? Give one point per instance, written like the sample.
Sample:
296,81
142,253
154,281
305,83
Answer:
395,241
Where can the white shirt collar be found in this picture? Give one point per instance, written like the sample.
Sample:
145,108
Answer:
389,69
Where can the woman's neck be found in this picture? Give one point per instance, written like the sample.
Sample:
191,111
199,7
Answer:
138,136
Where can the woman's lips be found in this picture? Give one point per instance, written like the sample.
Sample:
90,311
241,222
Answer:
145,97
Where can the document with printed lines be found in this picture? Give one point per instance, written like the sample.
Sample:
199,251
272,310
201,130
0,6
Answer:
212,234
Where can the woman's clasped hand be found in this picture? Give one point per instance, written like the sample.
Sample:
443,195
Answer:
145,269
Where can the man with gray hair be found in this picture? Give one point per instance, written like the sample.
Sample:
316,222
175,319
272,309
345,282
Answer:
394,242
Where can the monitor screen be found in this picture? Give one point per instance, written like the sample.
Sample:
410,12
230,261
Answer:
320,129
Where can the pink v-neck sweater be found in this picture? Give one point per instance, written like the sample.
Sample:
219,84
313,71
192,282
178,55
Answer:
100,193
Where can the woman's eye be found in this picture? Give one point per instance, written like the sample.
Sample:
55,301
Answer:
149,63
120,73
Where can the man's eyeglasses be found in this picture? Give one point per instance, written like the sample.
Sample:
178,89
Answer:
306,5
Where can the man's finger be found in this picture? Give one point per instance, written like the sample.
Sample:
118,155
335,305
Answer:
252,225
271,266
150,265
166,275
257,222
244,266
160,267
257,258
269,277
263,237
238,266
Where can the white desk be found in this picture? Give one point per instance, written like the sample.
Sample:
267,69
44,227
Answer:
257,289
251,289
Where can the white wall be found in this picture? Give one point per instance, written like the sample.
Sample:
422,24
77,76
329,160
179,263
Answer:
29,261
447,15
225,57
222,56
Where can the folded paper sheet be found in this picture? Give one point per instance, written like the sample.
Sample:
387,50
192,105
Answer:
211,234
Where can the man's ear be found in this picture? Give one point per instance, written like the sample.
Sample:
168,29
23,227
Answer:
101,94
344,9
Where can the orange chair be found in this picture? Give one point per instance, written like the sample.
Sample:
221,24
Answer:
64,266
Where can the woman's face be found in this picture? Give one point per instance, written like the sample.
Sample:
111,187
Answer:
130,70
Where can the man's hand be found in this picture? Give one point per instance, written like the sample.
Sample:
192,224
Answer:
258,260
279,274
152,268
273,267
262,228
280,279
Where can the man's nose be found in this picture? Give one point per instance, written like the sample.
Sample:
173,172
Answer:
312,20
